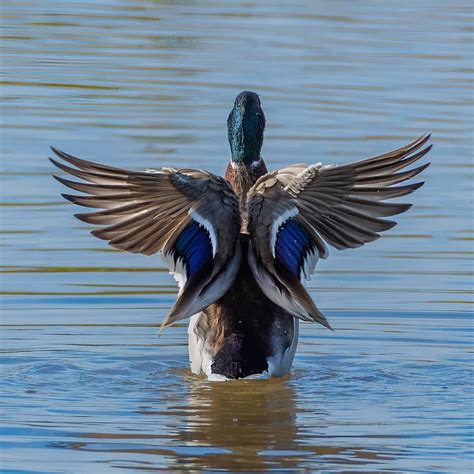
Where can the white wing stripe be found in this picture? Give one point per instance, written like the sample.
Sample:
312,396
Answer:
288,214
208,226
309,264
177,269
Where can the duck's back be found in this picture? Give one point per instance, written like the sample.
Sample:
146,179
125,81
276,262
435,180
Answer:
243,333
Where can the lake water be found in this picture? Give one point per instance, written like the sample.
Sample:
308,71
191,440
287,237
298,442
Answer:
87,385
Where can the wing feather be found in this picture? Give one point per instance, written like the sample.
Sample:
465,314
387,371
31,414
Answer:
340,205
190,215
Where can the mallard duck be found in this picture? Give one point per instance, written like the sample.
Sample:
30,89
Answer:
240,247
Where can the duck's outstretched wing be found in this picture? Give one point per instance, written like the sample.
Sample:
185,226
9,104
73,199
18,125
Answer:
191,216
295,211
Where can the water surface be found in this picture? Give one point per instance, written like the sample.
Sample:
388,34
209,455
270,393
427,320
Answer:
87,385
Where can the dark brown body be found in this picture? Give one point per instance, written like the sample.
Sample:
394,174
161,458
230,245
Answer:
245,328
248,327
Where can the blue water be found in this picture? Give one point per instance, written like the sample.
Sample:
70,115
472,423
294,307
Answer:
86,384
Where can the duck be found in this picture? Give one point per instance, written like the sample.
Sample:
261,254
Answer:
242,246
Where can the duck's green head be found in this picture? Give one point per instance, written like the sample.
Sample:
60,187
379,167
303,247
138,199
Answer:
245,127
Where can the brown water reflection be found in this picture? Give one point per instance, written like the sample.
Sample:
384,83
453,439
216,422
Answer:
247,426
246,421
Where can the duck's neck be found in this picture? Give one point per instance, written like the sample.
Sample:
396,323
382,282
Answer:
242,176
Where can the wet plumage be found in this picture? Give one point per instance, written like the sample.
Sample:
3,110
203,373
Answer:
241,247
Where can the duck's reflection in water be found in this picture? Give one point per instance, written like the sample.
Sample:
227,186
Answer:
238,426
260,425
245,424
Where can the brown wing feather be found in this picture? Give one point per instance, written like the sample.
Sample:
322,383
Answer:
341,201
132,201
145,212
341,205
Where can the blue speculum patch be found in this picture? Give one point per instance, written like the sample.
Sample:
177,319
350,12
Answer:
194,247
292,243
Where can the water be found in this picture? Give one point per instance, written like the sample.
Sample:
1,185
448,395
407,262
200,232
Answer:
87,385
